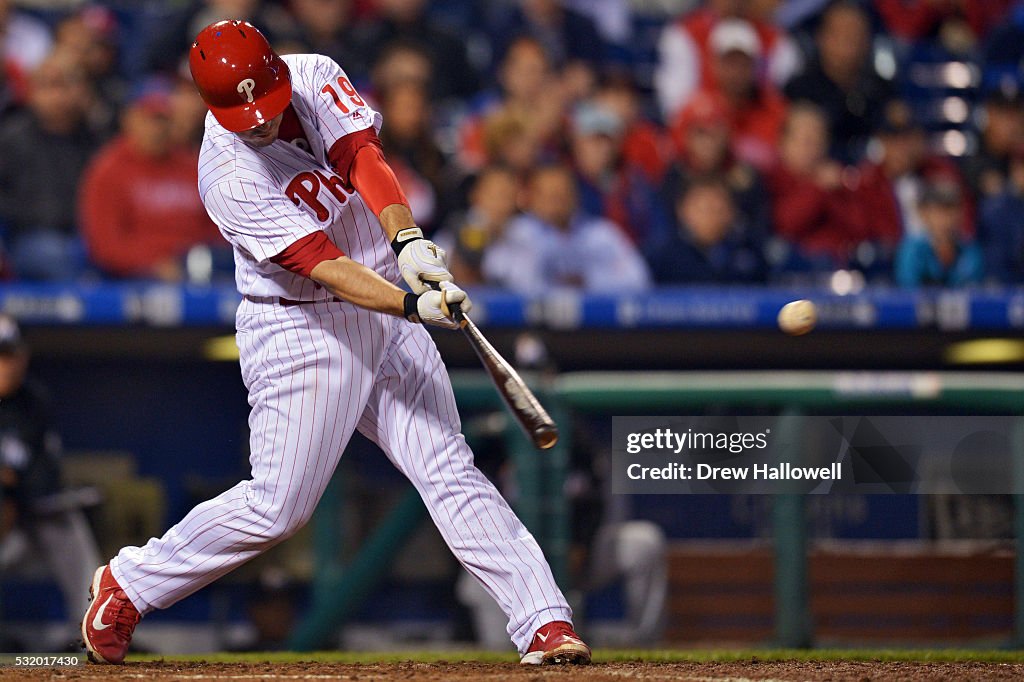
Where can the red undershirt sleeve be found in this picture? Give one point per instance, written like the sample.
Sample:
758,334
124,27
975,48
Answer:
305,254
359,160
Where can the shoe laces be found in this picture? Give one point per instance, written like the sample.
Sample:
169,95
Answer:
126,617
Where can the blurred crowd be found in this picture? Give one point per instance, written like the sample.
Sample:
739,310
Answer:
610,145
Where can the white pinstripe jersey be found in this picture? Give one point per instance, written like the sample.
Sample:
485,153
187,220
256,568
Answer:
265,199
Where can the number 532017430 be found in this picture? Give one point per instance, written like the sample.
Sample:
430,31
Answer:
42,660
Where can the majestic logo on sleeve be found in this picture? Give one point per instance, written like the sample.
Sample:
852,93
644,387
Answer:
304,188
245,88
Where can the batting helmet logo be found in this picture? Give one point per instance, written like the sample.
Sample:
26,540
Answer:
242,80
245,89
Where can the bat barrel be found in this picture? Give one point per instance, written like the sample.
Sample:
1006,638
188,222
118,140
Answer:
522,403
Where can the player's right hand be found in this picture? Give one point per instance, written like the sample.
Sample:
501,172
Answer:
420,260
432,307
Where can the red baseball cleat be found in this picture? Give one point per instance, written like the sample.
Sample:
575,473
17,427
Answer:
109,621
556,643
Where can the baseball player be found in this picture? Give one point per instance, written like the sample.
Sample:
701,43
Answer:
291,170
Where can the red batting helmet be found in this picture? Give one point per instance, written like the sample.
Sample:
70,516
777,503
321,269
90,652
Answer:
241,78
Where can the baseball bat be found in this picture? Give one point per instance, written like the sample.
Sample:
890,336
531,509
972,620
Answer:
535,421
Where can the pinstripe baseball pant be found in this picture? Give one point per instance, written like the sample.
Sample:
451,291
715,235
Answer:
315,373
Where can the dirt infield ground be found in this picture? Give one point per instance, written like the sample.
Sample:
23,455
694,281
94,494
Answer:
736,671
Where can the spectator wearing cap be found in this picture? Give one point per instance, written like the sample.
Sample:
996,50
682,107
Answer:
1001,123
39,519
702,147
1001,226
813,206
141,210
754,110
607,183
941,255
842,80
43,151
889,188
686,54
644,143
710,244
555,245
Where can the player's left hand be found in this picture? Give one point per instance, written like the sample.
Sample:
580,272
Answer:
421,261
433,307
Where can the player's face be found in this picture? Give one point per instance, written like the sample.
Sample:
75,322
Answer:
264,135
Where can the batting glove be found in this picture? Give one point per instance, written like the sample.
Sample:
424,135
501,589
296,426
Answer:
420,260
432,307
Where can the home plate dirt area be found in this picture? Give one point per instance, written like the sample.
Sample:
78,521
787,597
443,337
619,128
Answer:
736,671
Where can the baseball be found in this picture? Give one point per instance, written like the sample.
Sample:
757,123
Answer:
798,317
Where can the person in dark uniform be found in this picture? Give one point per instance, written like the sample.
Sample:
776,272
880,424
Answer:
38,518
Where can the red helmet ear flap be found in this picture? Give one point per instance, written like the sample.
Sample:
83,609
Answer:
240,77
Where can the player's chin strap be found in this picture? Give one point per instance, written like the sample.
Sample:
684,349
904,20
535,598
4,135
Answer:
405,237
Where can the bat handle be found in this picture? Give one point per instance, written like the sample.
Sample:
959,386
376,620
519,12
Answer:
455,308
457,314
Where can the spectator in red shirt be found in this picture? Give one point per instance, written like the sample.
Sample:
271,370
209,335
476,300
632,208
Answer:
754,111
812,207
702,148
140,207
686,54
